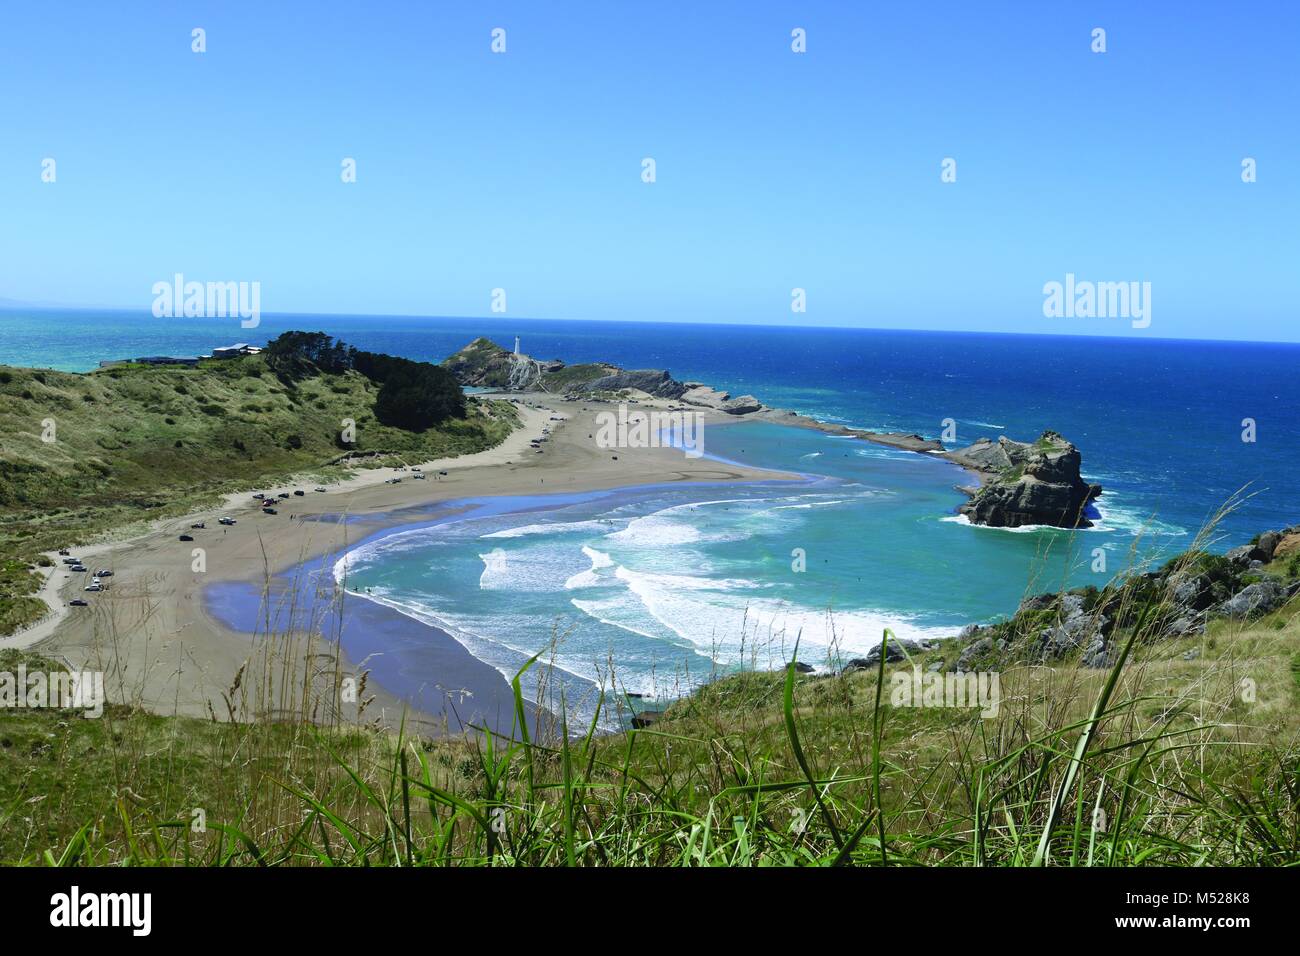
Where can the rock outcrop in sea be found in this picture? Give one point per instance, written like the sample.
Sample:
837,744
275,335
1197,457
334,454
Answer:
1022,483
1026,483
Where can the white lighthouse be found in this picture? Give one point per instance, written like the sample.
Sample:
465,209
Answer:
516,345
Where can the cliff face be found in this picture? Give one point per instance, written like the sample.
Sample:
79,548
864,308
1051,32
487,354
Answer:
485,364
657,382
1027,483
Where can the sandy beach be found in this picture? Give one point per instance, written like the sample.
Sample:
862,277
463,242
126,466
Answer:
162,649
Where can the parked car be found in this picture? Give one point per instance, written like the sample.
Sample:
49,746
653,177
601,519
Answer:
392,481
320,488
78,602
78,567
197,524
93,587
259,496
283,494
442,472
298,493
104,573
187,537
64,551
418,477
71,561
269,511
225,521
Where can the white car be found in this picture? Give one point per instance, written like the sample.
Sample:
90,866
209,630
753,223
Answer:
93,587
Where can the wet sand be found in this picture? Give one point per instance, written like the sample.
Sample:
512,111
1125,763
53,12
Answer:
162,647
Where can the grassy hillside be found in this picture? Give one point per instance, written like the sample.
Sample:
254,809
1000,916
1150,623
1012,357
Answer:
133,443
1181,767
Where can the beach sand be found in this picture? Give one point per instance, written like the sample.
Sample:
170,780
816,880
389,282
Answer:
162,649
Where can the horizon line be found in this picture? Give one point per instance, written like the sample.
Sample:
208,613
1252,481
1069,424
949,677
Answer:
13,305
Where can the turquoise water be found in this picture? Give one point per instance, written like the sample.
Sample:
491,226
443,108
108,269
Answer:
674,584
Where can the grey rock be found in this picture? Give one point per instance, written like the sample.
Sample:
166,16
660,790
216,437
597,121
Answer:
1188,592
894,654
1241,555
742,405
657,382
972,651
1188,624
1254,599
1096,654
1191,655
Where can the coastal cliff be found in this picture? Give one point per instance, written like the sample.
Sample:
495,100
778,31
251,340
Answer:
485,364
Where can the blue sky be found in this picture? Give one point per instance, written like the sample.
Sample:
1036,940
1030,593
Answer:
774,170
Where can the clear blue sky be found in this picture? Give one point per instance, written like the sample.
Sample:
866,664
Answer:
775,170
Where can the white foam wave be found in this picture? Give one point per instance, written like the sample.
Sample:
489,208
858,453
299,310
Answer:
589,578
720,622
555,527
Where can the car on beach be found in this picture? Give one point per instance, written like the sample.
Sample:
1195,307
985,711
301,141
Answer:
64,551
78,602
299,493
269,511
283,494
417,477
78,567
187,537
71,561
392,481
93,587
103,573
320,489
442,472
198,524
225,521
259,496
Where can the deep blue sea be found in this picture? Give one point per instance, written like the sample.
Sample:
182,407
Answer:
671,583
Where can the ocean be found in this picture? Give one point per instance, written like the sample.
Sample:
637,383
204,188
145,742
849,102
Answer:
672,584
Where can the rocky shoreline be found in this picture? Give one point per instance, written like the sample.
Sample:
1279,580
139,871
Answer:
1180,599
1018,483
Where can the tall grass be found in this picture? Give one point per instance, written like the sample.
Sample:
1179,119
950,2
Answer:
1153,761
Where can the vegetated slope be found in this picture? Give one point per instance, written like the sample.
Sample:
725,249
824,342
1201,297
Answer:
757,768
83,452
485,364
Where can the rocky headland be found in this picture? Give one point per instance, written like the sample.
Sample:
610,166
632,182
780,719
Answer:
1018,483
